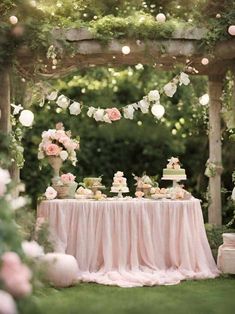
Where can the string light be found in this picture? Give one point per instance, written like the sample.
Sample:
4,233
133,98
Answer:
158,111
126,50
231,30
204,61
26,118
13,19
161,18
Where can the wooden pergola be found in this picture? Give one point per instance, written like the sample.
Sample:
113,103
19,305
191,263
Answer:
184,47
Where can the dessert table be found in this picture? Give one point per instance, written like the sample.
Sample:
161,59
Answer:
132,242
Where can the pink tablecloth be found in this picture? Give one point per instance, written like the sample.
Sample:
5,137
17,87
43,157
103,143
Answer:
132,242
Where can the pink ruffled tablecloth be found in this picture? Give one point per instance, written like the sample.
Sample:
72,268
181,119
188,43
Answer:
133,242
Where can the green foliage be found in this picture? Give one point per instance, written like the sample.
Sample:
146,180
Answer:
139,25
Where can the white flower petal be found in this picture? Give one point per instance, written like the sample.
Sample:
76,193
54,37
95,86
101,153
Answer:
153,95
170,89
75,108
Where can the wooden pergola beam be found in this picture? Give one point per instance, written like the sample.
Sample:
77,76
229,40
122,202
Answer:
165,54
5,105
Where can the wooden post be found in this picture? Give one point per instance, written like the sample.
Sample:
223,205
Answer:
5,106
215,151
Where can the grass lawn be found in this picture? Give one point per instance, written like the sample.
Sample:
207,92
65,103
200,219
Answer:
199,297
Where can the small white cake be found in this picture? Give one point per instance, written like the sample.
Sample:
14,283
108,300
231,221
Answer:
119,183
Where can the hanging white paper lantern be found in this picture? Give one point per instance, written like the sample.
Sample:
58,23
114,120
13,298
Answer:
26,118
158,110
231,30
161,18
13,20
204,100
126,50
204,61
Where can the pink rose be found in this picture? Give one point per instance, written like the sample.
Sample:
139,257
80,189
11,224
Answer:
52,150
67,178
113,114
139,194
15,275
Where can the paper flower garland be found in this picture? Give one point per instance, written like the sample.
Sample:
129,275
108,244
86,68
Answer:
149,103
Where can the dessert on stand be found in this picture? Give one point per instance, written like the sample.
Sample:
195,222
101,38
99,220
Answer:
173,171
119,184
93,183
145,184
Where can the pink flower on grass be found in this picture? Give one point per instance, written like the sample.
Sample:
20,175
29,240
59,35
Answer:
52,150
67,178
15,275
113,114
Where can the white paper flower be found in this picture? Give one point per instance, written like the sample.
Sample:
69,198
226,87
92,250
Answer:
106,118
63,102
50,193
64,155
144,106
129,112
99,114
153,95
91,111
233,194
184,78
52,96
7,302
17,109
32,249
75,108
170,89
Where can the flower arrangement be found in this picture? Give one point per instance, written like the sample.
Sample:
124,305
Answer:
58,143
145,181
63,187
173,163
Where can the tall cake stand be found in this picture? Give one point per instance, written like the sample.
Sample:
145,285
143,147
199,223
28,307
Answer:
119,191
174,179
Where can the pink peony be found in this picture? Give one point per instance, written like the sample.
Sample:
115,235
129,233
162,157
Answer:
52,150
113,114
67,178
15,275
7,304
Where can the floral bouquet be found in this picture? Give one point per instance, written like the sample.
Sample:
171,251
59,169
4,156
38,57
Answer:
145,184
64,187
57,143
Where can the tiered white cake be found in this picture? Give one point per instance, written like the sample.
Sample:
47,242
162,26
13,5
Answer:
119,183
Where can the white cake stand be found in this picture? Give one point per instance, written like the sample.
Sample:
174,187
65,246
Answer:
120,192
174,180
